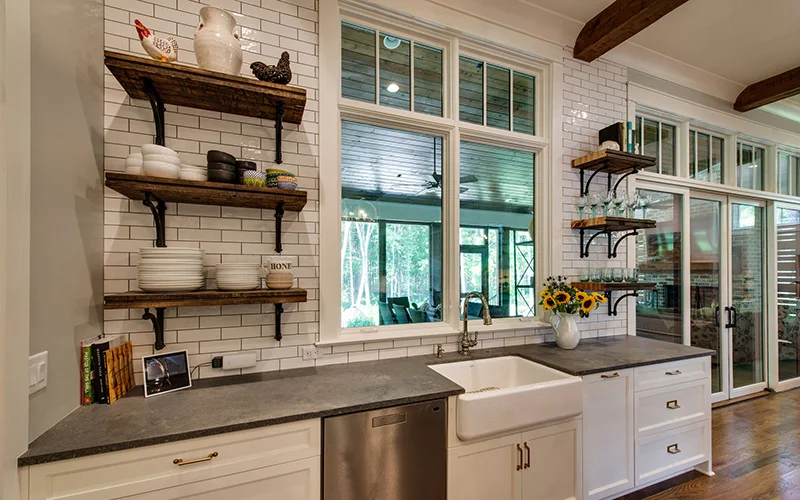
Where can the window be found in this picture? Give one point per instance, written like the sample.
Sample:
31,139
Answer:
507,106
706,157
657,139
372,59
750,166
788,174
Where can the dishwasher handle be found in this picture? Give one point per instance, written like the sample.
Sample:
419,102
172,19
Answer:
393,419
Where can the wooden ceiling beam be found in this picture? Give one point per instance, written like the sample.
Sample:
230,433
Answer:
767,91
618,22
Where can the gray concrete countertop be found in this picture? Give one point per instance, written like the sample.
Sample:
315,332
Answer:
229,404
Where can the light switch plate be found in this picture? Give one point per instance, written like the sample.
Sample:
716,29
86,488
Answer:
310,353
37,372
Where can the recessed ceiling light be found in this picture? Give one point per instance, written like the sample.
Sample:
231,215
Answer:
393,87
391,42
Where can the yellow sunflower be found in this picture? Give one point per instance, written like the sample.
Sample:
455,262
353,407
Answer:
599,297
544,293
562,297
581,296
588,305
549,303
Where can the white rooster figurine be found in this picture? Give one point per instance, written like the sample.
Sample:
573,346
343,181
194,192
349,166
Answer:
160,49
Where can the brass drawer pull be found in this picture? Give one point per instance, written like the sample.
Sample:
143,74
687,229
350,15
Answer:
613,375
182,462
673,449
528,461
676,372
673,405
519,451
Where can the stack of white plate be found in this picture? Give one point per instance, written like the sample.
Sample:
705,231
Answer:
194,172
158,161
171,269
133,164
238,276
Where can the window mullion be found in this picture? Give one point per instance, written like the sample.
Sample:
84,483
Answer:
377,67
485,94
411,76
511,100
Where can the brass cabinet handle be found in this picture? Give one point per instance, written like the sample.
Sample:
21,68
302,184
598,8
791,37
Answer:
673,449
676,372
613,375
519,451
673,405
182,462
528,450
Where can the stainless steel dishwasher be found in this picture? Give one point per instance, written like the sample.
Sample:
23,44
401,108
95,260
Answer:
397,453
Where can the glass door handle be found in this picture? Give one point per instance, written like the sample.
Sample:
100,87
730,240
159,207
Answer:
729,323
716,316
733,314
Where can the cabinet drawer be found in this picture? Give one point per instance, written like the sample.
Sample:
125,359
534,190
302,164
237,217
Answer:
669,452
657,410
140,470
667,374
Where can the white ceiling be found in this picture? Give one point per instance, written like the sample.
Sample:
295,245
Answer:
743,41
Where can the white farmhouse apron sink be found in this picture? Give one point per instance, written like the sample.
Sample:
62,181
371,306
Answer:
509,393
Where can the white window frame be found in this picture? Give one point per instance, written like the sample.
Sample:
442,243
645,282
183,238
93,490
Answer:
692,127
662,120
334,109
792,153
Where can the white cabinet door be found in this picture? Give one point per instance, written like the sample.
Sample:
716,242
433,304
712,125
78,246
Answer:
552,467
485,470
608,434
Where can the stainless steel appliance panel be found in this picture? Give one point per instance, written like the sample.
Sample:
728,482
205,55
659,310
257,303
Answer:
397,453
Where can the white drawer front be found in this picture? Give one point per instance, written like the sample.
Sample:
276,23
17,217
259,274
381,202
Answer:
657,410
668,374
671,451
137,471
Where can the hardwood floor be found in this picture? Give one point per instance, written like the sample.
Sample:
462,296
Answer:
756,454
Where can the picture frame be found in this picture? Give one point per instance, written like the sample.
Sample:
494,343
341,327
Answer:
166,372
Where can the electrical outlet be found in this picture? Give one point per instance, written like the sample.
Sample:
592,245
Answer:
37,372
310,353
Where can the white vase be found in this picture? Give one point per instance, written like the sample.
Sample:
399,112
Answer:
567,333
216,44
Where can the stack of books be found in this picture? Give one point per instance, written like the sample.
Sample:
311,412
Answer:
106,369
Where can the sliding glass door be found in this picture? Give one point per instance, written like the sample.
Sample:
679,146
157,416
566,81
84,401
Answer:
787,290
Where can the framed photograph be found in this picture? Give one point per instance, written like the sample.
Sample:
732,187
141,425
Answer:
166,373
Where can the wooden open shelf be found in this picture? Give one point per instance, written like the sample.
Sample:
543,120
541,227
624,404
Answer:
130,300
205,193
613,224
197,88
612,286
613,162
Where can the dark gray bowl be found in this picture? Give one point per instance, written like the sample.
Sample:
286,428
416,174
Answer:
246,165
221,176
220,156
215,165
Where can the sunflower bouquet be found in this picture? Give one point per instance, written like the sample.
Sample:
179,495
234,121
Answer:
561,297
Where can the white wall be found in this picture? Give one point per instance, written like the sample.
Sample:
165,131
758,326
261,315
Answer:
66,195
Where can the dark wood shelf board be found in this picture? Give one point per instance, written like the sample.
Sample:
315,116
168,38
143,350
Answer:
613,224
613,286
130,300
205,193
197,88
613,162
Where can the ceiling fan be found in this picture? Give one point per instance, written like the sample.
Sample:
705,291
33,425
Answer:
436,183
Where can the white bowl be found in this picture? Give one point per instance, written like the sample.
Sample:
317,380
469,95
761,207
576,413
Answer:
135,156
238,287
191,176
172,160
130,170
155,149
161,169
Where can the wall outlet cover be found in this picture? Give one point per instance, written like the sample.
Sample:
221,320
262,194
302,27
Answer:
310,353
37,372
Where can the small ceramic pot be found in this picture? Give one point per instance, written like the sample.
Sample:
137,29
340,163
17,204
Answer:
280,274
216,44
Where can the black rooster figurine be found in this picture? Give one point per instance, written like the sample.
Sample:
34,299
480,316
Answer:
281,73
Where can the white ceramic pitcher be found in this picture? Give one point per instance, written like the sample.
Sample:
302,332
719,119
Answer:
567,333
216,44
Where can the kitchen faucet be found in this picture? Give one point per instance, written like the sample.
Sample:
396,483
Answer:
466,341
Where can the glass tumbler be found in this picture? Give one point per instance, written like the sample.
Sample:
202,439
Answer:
618,275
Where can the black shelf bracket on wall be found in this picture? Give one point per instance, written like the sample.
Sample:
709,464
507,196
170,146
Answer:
612,309
613,247
278,132
158,325
278,313
279,211
611,185
585,246
159,210
158,111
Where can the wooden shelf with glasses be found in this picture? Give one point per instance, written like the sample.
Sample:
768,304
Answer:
612,286
613,224
613,162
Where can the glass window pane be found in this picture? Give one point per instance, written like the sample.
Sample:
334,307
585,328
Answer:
750,166
703,160
637,136
650,138
784,162
498,97
358,63
427,80
667,159
794,176
395,66
788,300
717,159
692,159
759,155
391,226
524,103
470,90
497,220
658,256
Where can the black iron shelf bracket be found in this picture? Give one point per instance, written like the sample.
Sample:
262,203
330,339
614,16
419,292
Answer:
278,132
279,211
159,210
158,111
585,186
620,179
613,247
612,310
585,247
158,325
278,313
